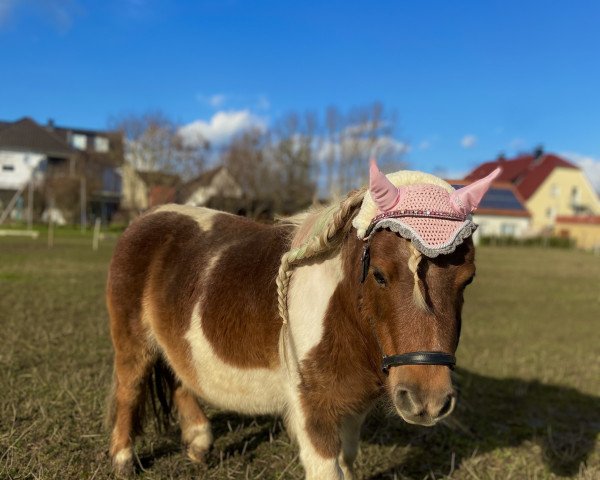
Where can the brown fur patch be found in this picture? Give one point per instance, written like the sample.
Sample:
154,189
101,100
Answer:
159,264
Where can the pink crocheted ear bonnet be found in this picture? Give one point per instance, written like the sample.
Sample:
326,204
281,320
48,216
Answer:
435,220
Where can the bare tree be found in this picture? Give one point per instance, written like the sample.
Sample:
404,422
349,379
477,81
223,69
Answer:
153,143
247,161
363,132
293,151
332,121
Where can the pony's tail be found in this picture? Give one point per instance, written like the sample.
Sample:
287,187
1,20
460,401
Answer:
156,393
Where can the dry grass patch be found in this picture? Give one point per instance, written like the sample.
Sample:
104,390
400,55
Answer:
529,377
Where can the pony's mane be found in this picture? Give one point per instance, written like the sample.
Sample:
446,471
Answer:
316,231
321,229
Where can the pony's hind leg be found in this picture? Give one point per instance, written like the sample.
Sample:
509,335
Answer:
132,369
195,427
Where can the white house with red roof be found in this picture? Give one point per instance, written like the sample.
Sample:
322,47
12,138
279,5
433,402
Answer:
549,185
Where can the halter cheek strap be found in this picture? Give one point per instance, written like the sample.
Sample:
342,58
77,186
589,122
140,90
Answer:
411,358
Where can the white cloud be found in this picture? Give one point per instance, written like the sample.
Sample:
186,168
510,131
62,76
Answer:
263,102
468,141
221,128
590,165
60,13
384,147
425,145
6,9
517,144
217,100
456,174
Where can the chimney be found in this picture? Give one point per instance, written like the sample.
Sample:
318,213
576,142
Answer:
50,123
501,158
538,152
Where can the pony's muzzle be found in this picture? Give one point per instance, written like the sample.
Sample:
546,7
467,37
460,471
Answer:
421,407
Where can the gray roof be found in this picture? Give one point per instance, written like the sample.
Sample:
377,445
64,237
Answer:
26,134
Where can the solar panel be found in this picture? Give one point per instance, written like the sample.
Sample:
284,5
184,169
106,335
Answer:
499,199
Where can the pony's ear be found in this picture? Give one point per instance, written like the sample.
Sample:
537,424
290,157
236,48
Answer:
466,199
384,193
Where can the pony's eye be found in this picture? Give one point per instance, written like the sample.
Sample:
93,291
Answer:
469,282
379,278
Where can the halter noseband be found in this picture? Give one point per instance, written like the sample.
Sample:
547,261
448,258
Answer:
411,358
418,358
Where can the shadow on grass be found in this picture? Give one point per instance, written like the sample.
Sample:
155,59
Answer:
492,414
234,435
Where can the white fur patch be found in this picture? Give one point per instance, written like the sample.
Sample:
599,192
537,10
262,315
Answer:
199,437
251,391
204,216
311,288
316,466
123,456
368,209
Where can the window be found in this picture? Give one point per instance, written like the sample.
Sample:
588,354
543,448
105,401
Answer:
550,212
101,144
575,195
554,190
79,141
8,168
507,229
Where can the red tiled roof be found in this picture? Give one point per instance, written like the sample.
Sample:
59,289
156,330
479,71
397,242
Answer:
587,219
161,194
526,172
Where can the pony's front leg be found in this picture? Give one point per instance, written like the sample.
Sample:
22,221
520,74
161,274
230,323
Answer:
350,436
319,444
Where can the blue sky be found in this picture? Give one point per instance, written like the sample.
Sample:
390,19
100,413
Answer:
468,79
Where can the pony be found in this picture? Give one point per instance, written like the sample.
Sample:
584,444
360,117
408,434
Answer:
291,319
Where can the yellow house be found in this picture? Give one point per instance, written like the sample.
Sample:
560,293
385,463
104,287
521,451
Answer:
550,186
585,230
564,192
135,191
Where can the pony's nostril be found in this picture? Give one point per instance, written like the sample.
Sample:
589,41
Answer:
447,405
405,400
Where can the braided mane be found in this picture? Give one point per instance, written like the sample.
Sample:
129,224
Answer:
318,231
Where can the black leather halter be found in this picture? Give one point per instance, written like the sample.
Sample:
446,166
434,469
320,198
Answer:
418,358
411,358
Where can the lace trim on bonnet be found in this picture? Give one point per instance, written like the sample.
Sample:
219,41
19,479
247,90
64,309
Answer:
464,231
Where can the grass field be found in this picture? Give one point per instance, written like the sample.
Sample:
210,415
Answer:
529,378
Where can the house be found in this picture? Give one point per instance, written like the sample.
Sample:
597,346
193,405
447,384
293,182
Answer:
583,229
134,190
146,189
27,149
161,187
549,185
215,188
501,212
75,170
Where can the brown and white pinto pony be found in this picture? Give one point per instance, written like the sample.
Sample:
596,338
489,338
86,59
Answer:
195,290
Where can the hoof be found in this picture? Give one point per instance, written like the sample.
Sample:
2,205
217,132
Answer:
123,464
198,443
197,454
